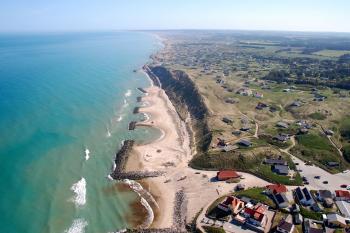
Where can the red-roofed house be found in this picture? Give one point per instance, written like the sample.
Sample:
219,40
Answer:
342,195
227,174
257,215
276,188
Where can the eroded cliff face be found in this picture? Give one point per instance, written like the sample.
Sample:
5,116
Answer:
183,93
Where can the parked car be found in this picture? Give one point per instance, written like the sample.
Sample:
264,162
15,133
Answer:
317,177
325,182
343,186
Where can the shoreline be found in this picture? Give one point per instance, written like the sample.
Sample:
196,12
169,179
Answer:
171,154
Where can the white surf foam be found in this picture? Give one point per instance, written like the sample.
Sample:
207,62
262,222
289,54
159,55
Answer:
108,133
120,118
79,190
146,116
77,226
137,187
87,154
127,93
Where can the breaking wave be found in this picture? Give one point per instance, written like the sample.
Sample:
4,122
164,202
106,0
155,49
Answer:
79,190
127,93
77,226
137,187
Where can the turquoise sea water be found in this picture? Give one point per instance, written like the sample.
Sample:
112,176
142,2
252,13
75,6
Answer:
61,94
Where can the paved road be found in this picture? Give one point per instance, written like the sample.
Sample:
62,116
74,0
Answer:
334,180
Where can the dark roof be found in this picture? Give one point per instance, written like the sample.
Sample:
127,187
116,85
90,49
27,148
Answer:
325,194
285,225
244,142
281,198
282,169
307,194
299,193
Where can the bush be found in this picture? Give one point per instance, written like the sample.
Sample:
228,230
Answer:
317,116
213,229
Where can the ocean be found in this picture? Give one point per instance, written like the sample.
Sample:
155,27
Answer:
66,100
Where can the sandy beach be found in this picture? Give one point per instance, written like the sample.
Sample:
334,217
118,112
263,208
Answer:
171,154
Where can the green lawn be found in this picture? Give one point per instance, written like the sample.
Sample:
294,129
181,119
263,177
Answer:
314,141
317,116
257,194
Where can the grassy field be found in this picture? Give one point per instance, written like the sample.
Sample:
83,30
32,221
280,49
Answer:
256,194
316,148
331,53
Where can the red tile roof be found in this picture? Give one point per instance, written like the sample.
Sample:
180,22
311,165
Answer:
342,193
277,188
258,216
227,174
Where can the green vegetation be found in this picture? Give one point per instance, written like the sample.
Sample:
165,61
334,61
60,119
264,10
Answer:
316,148
256,194
345,128
314,141
210,229
346,152
310,214
249,163
317,116
331,53
215,203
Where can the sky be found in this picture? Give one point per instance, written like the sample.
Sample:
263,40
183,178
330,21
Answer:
86,15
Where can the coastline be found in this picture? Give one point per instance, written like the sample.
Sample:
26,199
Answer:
171,154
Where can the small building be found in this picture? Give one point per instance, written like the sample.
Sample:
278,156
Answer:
237,132
295,104
227,120
281,169
227,174
285,227
281,200
344,208
245,128
244,142
261,106
342,195
282,137
335,220
304,196
323,194
312,226
282,124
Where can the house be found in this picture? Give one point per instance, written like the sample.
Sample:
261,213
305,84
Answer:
281,169
295,104
285,227
236,132
282,124
227,120
227,174
236,205
278,161
312,226
304,196
245,128
281,200
244,92
244,142
282,137
342,195
344,208
261,106
335,220
256,216
276,188
323,194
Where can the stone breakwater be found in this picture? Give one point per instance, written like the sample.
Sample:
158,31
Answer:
120,161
